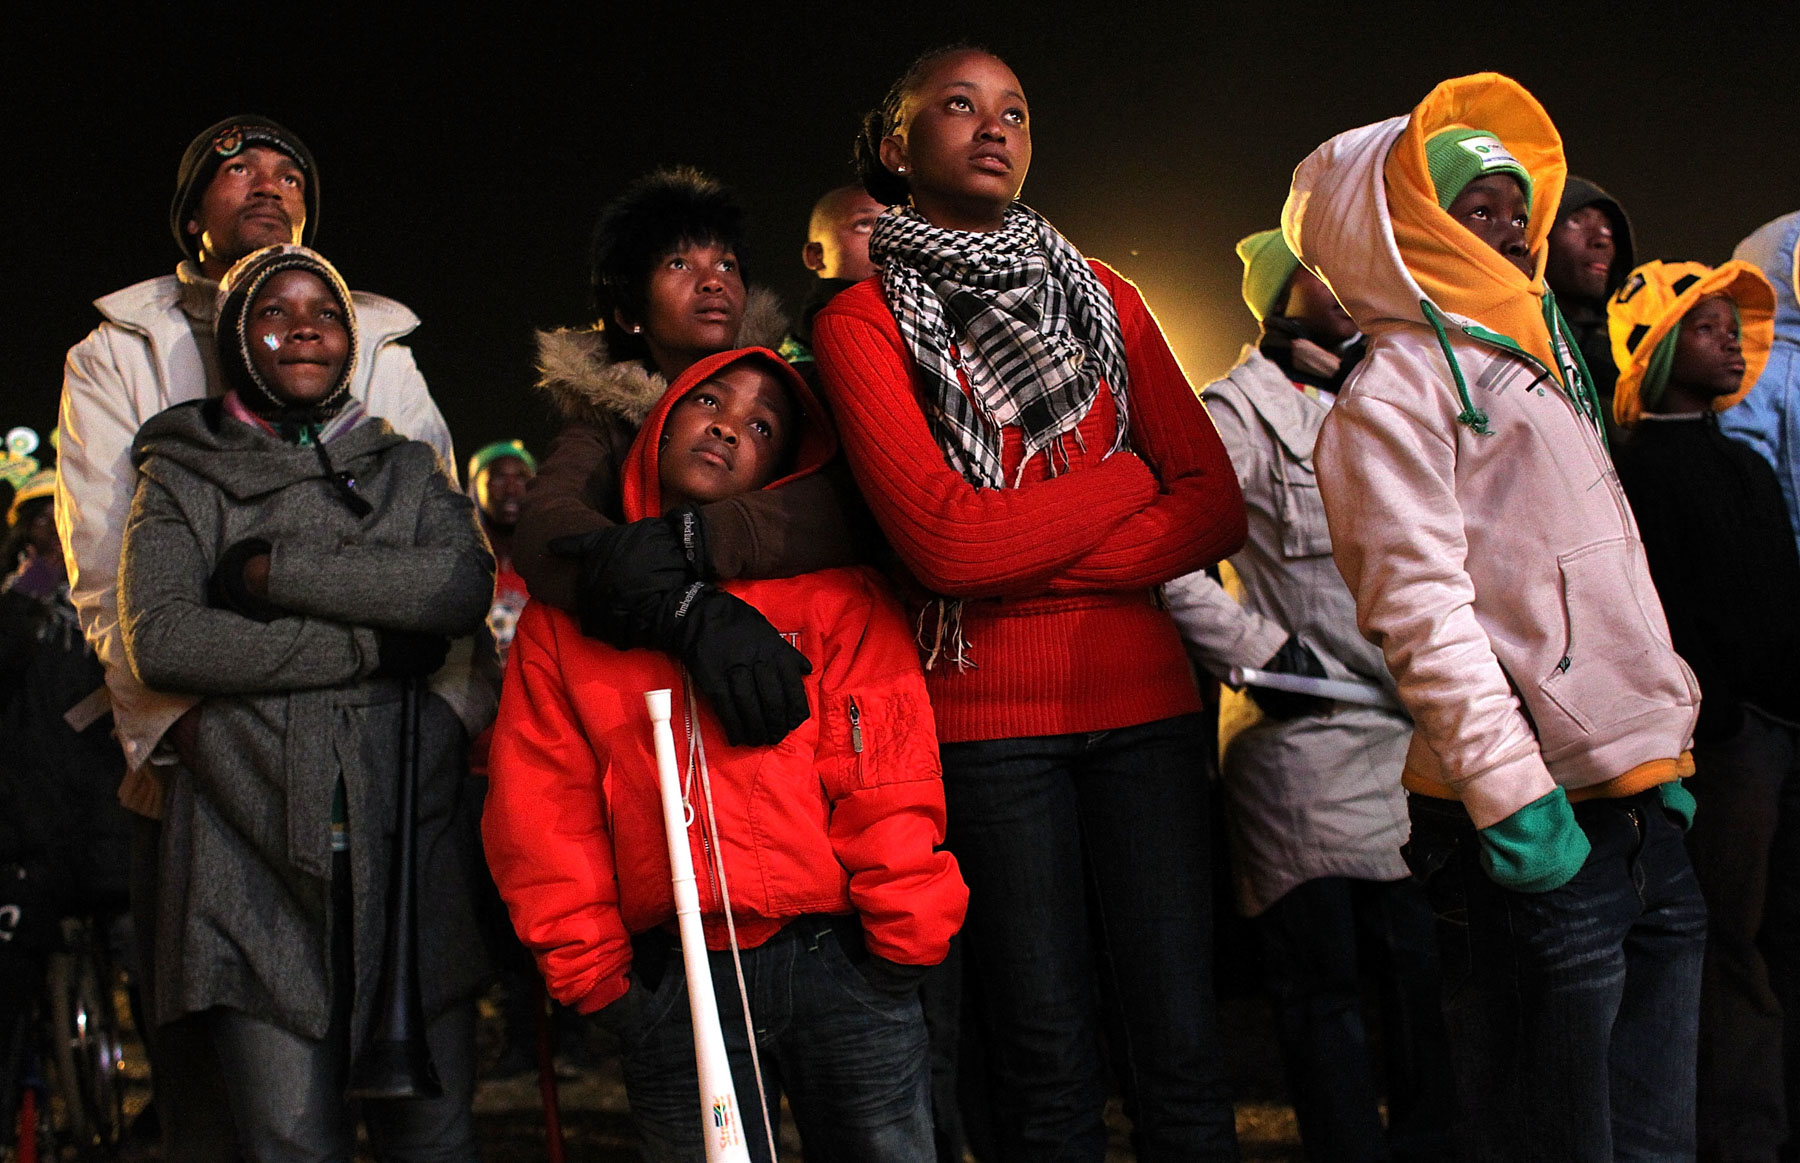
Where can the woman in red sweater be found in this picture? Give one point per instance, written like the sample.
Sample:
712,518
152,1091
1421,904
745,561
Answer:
1032,450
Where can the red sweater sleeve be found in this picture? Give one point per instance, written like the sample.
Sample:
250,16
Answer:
544,825
878,759
1199,518
956,539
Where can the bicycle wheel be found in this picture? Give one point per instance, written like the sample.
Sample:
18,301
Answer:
88,1046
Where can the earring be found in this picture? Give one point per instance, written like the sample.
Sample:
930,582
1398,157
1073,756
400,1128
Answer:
637,329
899,169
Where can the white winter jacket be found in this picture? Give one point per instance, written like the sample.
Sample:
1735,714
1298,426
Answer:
1317,795
155,349
1500,573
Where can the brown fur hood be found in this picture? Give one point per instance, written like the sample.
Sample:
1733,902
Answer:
584,384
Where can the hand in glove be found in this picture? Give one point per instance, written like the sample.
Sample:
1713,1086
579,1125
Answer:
1537,848
626,572
741,665
409,654
229,588
1292,658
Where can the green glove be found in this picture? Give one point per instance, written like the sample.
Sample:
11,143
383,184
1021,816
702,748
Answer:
1678,799
1537,848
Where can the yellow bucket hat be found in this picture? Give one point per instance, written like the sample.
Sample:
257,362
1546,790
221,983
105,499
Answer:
1649,308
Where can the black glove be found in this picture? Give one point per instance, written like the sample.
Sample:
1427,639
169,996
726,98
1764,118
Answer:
1292,658
409,654
624,575
746,670
225,589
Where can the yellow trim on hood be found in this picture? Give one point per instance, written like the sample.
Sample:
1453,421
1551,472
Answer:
1456,270
1648,300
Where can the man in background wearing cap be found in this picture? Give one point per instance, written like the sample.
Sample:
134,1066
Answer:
1590,253
243,184
1312,788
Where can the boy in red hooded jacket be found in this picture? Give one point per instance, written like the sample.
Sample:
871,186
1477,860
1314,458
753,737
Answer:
828,840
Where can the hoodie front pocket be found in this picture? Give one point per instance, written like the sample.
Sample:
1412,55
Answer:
1616,665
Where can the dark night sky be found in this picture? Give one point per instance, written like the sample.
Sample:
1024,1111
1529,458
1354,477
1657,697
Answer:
462,163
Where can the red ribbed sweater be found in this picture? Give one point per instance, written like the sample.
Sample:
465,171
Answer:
1056,575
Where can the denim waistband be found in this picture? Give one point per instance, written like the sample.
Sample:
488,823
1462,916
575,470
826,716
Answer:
1452,813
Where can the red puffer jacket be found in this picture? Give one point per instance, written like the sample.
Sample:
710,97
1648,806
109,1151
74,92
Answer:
844,815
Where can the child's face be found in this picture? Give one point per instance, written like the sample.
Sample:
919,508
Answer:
298,337
1493,208
1708,356
728,435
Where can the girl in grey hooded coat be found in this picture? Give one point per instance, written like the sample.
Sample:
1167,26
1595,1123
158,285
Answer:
294,561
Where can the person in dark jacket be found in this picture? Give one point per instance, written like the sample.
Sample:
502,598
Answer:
1690,341
668,282
61,768
293,562
1590,253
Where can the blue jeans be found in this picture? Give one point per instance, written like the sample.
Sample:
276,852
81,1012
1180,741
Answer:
850,1057
1320,942
1073,844
1573,1014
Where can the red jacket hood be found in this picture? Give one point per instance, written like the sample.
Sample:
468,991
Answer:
641,482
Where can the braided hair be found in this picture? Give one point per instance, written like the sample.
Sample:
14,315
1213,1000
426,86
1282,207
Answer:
883,184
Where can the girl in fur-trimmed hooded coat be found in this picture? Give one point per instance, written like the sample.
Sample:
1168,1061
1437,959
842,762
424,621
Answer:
670,289
292,561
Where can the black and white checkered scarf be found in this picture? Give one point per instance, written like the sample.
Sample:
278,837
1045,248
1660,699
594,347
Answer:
1035,331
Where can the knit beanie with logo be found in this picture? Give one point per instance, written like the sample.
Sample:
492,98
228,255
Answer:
230,137
1457,157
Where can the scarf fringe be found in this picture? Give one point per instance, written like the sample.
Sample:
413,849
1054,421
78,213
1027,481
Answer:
945,640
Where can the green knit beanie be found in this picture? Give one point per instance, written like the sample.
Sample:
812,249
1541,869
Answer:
1457,157
1268,265
500,450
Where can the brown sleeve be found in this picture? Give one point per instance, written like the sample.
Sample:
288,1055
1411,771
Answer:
576,490
816,522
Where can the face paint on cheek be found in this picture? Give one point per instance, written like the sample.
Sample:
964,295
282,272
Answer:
272,343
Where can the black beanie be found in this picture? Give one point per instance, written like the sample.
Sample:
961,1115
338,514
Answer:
207,152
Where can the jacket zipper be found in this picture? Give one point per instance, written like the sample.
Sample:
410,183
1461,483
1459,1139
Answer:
856,736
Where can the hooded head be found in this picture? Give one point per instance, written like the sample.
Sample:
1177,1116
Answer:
1644,319
1775,250
709,451
1365,215
252,374
1579,194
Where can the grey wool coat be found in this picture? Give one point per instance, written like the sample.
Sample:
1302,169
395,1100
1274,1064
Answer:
289,708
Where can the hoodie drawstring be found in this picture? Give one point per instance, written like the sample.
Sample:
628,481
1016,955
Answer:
342,483
1472,416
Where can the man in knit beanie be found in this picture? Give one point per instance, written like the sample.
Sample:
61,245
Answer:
242,184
